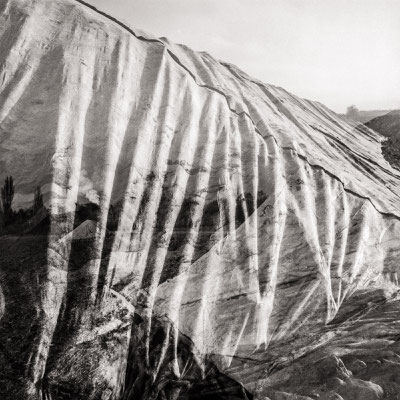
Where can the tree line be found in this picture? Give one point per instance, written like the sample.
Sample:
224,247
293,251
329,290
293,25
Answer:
7,215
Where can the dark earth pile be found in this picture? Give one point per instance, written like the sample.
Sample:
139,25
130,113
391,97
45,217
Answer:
389,125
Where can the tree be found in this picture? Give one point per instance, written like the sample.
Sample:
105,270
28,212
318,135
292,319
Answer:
2,222
38,200
7,195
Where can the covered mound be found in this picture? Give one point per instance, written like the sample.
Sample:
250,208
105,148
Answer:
243,242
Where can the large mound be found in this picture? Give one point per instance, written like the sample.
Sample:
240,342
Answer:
243,241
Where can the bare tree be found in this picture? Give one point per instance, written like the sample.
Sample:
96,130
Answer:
38,200
7,196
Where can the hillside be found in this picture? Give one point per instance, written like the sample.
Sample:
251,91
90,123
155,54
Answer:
388,125
208,236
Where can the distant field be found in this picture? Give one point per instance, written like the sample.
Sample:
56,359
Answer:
365,116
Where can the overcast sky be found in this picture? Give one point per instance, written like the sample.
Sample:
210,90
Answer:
339,52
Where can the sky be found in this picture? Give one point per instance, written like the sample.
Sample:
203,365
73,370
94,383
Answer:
338,52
